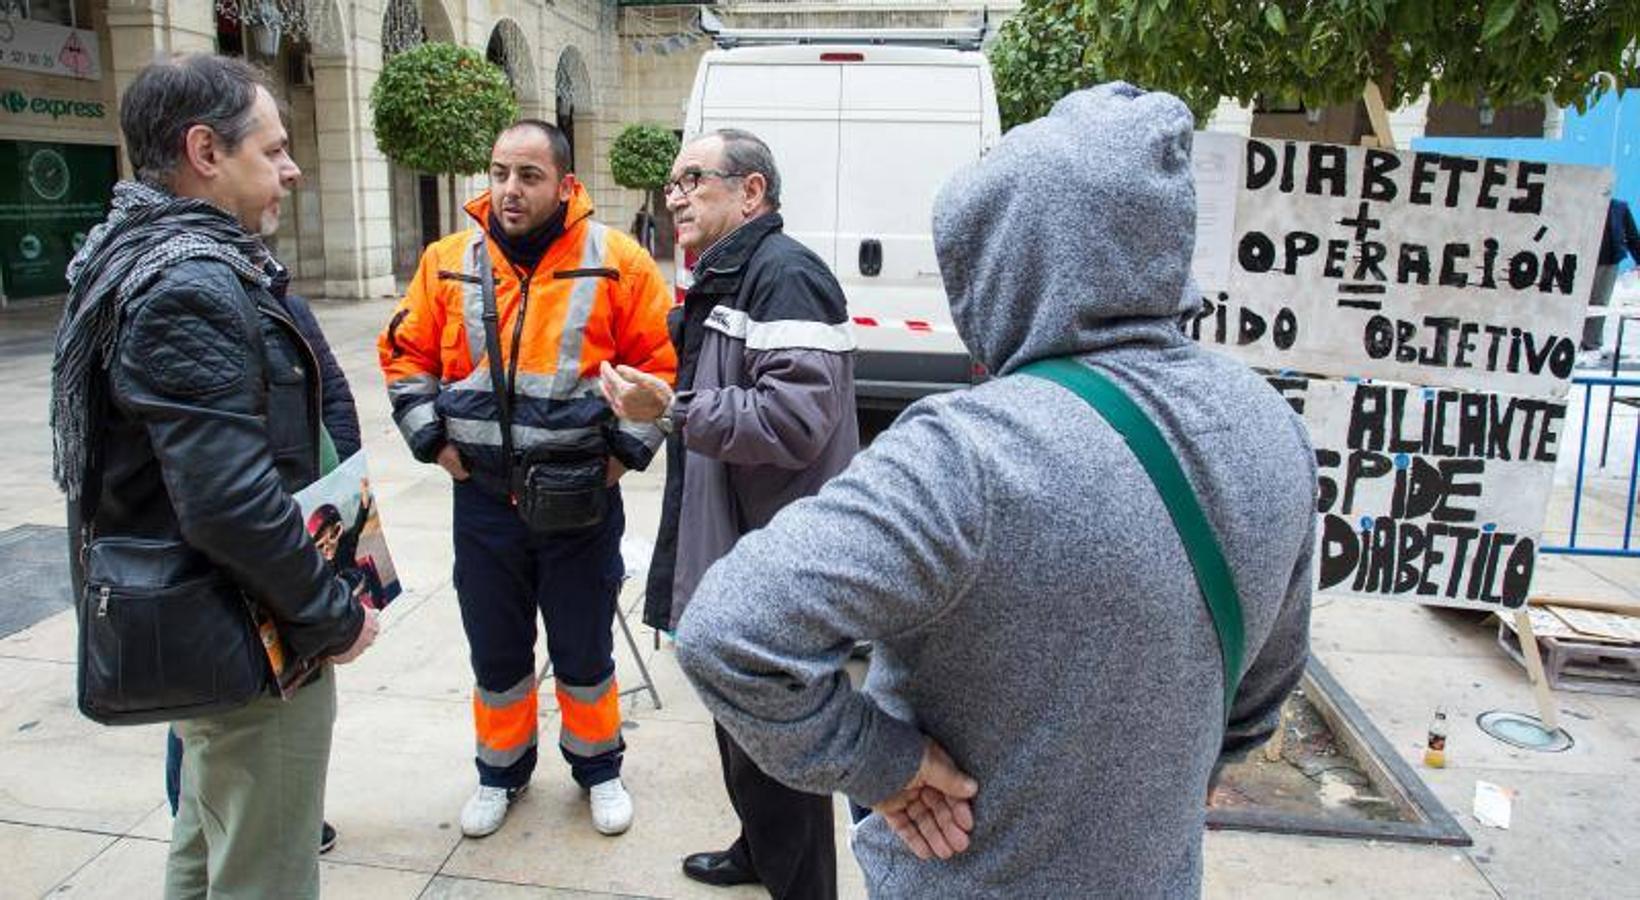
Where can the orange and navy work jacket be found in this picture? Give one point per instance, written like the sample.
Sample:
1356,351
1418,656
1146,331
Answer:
595,296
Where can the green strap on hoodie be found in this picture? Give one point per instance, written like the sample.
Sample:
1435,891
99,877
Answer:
1147,443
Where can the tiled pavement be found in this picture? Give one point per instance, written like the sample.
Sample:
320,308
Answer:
82,813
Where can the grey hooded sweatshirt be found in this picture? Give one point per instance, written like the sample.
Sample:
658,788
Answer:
1032,606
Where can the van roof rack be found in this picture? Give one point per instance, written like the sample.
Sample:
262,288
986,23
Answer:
955,38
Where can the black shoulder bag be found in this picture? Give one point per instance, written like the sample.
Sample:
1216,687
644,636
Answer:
165,634
556,489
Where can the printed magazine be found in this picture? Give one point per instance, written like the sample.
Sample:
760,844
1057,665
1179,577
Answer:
342,518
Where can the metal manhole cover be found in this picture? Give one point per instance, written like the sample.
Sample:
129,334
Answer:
1523,731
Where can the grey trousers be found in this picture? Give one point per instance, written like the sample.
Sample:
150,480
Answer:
252,801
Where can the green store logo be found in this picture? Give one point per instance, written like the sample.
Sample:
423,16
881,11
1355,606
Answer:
48,174
17,103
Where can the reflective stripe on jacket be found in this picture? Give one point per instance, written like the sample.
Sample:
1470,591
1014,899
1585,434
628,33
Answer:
596,296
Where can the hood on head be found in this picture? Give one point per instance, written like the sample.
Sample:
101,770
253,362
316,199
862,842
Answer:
1075,233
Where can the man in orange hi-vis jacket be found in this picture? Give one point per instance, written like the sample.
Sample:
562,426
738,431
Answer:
509,321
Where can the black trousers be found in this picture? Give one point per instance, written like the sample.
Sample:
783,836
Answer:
785,834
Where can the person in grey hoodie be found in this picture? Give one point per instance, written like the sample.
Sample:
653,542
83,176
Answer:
1031,604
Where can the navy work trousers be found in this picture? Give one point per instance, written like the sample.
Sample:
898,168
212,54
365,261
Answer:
504,575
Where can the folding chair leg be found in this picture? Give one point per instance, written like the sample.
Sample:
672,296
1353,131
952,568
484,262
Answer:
637,656
648,683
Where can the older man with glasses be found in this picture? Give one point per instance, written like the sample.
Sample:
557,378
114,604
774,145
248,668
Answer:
763,415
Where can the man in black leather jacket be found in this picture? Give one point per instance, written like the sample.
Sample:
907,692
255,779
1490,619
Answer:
186,412
340,418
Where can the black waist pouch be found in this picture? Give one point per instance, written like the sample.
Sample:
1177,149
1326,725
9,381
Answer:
164,635
560,492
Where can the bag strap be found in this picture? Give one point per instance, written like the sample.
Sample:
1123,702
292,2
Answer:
91,484
492,348
1147,443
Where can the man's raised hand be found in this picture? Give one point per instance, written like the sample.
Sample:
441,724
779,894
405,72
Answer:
635,395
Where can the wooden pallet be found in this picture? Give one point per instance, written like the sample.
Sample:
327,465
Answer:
1592,667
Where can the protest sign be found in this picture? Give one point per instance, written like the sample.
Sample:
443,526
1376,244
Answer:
1415,267
1429,494
1422,313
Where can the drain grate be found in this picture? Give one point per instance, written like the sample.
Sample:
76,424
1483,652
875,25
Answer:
33,576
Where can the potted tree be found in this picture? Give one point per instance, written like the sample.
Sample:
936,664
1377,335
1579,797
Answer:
640,159
438,108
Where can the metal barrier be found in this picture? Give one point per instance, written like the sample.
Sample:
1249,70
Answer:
1613,399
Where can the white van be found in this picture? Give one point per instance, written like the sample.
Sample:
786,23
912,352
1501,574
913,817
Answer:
864,131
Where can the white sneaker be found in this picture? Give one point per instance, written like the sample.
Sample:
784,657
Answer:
611,807
487,808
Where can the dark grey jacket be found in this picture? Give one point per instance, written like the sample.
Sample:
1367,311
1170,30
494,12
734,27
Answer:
340,413
765,409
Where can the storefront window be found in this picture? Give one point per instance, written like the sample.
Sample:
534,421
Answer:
51,196
76,13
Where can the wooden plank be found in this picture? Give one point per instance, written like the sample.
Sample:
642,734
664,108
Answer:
1379,116
1624,607
1534,670
1600,624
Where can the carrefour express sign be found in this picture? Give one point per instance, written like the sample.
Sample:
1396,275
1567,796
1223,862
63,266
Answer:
18,103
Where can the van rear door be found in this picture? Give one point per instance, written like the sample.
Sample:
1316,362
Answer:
903,130
793,108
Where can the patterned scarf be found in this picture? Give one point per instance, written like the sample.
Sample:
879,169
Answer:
147,231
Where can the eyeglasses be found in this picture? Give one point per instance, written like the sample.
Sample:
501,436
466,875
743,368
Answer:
686,183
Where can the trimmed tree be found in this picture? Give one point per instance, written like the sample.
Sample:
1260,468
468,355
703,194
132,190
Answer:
1322,52
640,159
438,108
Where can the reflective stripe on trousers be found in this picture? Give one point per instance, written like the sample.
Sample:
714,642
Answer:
591,717
505,722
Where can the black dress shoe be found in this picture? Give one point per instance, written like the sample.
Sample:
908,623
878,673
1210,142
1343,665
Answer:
717,868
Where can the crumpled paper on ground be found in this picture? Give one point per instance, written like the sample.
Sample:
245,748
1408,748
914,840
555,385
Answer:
1493,804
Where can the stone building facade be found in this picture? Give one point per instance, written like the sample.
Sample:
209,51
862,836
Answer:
357,223
355,219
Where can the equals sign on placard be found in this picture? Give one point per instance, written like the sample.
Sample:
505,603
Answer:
1360,302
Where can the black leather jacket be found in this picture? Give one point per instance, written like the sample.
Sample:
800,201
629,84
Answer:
212,424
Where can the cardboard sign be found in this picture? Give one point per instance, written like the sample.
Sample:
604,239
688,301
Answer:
1435,495
1413,267
1433,306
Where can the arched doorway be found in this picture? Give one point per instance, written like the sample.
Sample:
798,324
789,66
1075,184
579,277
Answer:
509,49
573,90
414,207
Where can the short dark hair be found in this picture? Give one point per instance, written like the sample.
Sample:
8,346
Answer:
745,153
557,142
170,96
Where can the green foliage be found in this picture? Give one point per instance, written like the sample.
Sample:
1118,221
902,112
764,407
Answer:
438,108
1322,52
641,156
1038,57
